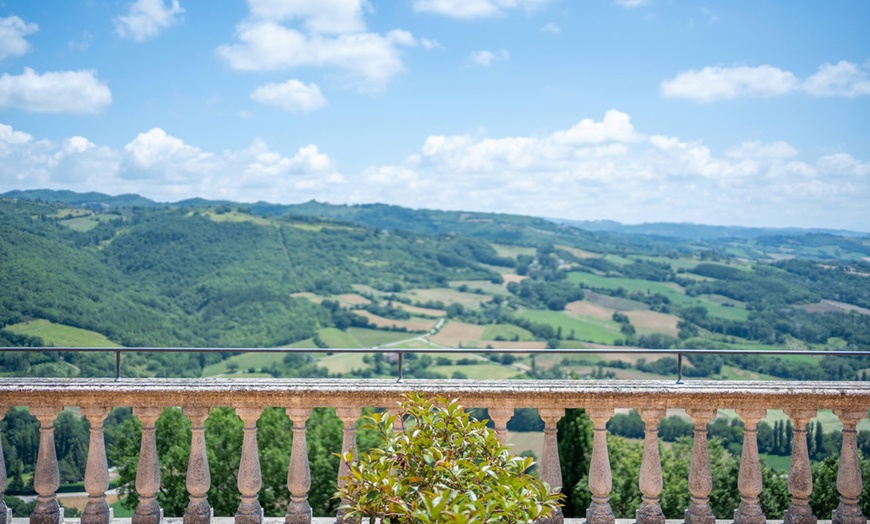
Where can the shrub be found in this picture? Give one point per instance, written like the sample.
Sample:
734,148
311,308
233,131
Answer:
446,467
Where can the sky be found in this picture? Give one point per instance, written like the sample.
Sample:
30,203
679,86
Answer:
733,112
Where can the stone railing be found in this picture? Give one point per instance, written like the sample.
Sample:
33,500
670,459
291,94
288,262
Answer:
751,400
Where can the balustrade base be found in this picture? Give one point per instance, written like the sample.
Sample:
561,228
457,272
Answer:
249,518
751,515
105,517
152,518
701,516
848,515
799,515
48,518
198,518
5,514
649,516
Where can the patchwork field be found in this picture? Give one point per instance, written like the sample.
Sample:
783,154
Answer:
60,335
584,328
505,250
506,332
825,306
649,322
483,285
415,324
673,291
448,296
421,311
455,333
588,309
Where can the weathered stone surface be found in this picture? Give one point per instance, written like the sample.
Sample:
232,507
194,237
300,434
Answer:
486,393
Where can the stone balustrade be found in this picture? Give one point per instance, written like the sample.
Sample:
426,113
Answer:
701,399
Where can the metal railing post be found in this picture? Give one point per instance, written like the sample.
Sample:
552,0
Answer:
401,368
117,365
680,367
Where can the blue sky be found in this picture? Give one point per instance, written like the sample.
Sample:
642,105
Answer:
738,112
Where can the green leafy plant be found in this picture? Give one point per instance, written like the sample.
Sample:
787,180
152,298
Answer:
445,467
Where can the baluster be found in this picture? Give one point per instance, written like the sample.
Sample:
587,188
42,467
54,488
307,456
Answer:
348,418
97,511
198,475
250,479
551,468
849,482
500,418
700,477
800,475
749,476
5,512
148,472
298,474
46,478
650,481
600,478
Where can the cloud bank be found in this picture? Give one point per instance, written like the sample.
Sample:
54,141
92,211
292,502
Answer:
712,84
595,169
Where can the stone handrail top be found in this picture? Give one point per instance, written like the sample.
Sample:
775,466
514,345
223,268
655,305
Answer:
484,393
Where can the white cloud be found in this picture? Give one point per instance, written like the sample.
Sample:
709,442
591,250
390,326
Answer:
368,60
722,83
292,95
54,92
552,28
322,16
841,79
475,9
155,154
756,149
633,3
486,58
332,36
146,18
597,168
12,33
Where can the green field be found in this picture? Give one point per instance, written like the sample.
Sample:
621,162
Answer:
369,338
60,335
673,291
505,250
778,463
484,285
245,362
595,330
336,338
506,332
343,362
479,371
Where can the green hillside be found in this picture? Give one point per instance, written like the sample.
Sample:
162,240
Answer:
92,270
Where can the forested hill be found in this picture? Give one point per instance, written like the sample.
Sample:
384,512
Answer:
166,277
230,275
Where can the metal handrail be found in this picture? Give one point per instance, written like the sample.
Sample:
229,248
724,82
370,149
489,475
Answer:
436,351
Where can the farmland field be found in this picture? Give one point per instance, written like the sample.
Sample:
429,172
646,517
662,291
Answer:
505,250
455,333
448,296
649,322
505,332
588,309
584,328
415,324
673,291
336,338
61,335
375,337
484,285
479,371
